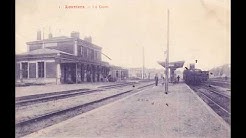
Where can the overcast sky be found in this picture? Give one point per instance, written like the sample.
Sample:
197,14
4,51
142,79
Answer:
199,29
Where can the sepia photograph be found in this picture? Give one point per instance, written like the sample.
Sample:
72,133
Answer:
122,69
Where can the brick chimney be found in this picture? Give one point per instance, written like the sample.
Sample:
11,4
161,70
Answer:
75,34
50,35
88,39
39,35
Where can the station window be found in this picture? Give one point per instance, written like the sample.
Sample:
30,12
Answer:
95,55
24,66
92,54
117,74
81,51
99,55
87,52
41,69
84,52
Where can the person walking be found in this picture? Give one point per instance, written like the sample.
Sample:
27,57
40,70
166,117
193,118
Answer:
156,80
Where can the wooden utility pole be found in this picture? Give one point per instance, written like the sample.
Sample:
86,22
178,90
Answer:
167,54
143,65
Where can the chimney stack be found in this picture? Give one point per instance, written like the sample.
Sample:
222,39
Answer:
39,35
50,35
75,34
88,39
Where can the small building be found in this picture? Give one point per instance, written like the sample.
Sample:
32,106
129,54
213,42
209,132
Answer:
61,60
135,73
118,73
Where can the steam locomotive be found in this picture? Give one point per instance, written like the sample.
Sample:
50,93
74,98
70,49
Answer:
194,76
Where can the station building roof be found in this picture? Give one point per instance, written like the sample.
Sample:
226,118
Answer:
44,51
57,54
64,39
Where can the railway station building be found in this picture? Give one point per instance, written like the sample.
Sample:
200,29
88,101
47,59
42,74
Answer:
61,60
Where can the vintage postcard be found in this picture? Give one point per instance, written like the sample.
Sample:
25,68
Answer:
123,68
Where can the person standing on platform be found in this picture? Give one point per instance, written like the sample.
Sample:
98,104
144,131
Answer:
156,80
178,78
163,80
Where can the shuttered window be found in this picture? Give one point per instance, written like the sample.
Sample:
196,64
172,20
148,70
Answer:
50,69
24,67
41,69
81,51
17,71
32,70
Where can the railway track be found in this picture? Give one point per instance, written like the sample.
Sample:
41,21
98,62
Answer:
225,84
31,125
214,90
218,101
117,85
57,96
33,99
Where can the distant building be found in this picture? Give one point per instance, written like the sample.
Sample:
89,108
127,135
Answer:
221,71
118,73
148,73
61,60
172,66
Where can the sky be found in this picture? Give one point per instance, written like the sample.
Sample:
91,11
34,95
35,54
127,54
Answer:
198,29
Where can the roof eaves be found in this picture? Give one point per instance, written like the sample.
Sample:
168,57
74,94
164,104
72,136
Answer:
49,40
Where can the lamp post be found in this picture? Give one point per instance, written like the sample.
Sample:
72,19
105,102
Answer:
167,58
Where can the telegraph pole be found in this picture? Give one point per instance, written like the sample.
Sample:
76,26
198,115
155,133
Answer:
167,58
143,65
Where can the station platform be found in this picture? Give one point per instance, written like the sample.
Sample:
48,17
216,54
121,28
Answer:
149,113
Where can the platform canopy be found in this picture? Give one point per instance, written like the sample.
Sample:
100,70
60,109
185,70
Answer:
173,65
